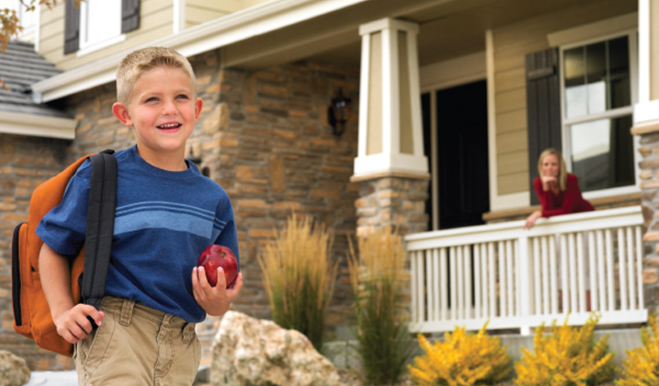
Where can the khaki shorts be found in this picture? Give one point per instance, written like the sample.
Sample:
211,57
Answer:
137,345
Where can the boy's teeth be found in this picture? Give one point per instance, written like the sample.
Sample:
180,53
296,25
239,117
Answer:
169,125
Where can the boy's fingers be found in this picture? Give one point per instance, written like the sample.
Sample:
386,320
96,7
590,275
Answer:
236,286
221,280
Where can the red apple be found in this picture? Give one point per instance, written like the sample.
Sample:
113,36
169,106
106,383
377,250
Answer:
215,256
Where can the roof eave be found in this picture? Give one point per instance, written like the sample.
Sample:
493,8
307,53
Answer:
232,28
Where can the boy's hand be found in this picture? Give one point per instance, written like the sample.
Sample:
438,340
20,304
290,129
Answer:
214,300
73,324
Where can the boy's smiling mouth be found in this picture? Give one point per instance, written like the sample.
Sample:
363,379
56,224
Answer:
169,126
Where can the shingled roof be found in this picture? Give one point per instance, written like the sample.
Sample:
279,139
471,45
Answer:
21,66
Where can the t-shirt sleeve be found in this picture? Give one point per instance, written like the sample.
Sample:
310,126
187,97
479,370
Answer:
225,224
63,228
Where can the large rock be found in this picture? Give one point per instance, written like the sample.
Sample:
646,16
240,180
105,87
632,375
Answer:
13,370
248,351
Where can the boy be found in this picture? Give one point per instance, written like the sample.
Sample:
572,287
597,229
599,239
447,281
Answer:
166,214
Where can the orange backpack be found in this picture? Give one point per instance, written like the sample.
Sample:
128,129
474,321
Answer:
31,312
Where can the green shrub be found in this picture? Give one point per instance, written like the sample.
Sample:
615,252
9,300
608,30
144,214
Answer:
642,366
377,276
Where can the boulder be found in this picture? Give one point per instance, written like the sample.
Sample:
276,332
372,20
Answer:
248,351
13,370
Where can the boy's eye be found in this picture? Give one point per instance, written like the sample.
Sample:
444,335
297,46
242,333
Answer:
182,96
152,99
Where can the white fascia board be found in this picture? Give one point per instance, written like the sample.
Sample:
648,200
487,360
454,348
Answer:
228,29
37,126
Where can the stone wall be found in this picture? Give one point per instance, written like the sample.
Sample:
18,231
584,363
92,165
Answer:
262,135
649,176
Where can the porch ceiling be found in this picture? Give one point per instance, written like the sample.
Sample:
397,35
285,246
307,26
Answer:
448,29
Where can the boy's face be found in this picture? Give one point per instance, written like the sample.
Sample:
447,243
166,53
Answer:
163,111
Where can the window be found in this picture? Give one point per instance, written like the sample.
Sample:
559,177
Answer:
28,20
100,22
597,89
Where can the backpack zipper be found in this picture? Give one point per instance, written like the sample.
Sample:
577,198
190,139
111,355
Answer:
16,277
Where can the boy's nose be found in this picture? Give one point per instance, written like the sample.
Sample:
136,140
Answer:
168,108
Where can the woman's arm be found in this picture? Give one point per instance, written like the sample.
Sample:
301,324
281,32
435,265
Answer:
570,200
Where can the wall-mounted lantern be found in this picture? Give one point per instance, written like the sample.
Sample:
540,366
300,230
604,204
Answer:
338,113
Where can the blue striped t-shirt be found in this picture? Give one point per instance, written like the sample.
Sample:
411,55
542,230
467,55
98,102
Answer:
163,222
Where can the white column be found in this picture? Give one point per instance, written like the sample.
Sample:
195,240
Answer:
390,132
646,111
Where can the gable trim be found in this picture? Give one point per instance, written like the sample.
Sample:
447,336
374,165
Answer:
37,126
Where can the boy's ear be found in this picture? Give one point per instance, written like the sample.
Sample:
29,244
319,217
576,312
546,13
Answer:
198,104
120,111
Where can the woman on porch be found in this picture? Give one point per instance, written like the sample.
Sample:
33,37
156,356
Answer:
558,191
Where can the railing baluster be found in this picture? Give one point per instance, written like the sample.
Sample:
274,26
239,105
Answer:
511,279
565,272
478,280
630,269
581,272
610,269
415,280
573,273
594,268
553,275
502,280
461,283
492,282
444,283
601,259
435,284
484,284
622,262
639,266
454,285
545,276
430,278
420,287
466,255
536,276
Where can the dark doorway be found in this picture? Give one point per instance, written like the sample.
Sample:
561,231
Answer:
462,154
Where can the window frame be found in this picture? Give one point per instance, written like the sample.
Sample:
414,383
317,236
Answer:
86,47
632,36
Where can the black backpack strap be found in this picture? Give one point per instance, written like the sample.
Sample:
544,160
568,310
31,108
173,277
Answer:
100,227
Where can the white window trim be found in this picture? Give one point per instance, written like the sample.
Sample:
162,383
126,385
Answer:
566,122
88,48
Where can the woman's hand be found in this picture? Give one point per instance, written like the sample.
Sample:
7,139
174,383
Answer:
214,300
530,221
548,182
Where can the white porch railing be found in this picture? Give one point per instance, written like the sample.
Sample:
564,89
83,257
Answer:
518,278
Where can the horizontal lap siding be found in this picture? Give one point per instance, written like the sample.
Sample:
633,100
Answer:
511,44
156,21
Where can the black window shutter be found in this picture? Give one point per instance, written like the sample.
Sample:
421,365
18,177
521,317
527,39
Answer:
71,27
130,15
543,103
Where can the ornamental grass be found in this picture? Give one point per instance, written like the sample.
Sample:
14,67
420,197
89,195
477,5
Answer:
377,275
568,356
299,276
462,359
642,366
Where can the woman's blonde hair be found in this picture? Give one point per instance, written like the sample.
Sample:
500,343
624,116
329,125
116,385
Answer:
139,62
562,169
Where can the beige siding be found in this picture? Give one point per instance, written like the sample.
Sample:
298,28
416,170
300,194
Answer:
156,21
201,11
511,44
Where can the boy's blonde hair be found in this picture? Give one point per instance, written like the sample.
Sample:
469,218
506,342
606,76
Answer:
139,62
562,169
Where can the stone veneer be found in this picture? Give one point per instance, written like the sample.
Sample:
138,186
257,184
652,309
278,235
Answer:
262,135
649,176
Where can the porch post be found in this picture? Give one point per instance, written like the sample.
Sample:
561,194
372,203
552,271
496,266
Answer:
646,126
390,165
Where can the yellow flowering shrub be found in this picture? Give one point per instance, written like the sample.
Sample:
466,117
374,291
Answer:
566,357
642,367
462,359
